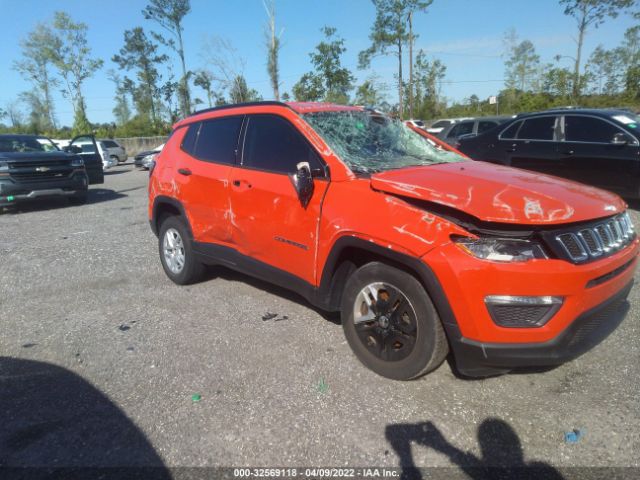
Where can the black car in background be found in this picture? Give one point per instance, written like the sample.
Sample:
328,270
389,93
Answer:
470,128
32,167
596,147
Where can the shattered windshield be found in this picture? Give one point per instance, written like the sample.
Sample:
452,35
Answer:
369,142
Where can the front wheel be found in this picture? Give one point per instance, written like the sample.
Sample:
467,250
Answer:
391,323
176,252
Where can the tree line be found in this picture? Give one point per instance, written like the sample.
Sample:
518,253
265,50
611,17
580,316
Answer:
154,86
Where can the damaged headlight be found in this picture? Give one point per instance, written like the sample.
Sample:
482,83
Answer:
501,249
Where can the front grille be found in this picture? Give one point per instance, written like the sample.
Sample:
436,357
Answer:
40,171
597,240
32,164
39,176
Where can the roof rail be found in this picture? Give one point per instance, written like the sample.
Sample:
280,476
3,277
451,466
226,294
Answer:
239,105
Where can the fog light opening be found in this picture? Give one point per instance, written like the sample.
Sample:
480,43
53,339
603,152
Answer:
522,311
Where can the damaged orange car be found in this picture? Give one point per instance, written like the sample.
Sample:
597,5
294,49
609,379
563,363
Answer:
422,251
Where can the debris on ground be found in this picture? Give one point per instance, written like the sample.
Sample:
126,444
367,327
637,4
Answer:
273,316
573,436
123,327
196,397
322,386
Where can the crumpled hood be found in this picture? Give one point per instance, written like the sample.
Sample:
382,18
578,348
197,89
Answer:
495,193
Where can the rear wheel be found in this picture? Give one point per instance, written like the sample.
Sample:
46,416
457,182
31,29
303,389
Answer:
391,323
176,252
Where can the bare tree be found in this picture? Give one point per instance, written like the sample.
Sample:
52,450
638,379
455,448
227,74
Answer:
169,14
589,13
226,64
273,47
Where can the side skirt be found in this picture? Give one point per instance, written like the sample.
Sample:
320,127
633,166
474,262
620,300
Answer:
213,254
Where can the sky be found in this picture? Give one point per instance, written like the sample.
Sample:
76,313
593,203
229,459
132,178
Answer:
467,35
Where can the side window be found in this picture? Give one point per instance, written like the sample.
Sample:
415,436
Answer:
461,129
218,140
485,125
189,139
271,143
578,128
511,131
540,128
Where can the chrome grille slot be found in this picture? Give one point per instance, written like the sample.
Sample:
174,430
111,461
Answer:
599,239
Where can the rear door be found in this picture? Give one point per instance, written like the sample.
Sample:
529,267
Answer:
88,150
534,147
209,150
592,158
269,223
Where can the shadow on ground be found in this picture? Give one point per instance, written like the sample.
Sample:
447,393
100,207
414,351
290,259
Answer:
96,195
233,276
57,425
502,455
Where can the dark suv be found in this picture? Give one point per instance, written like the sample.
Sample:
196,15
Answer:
596,147
33,167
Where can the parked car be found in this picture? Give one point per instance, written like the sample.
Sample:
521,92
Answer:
436,127
416,123
596,147
32,167
470,128
115,150
88,145
420,249
139,159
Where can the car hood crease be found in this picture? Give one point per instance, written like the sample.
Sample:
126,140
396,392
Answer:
501,194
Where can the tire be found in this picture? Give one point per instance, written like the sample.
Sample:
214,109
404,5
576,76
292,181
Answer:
174,231
79,198
404,339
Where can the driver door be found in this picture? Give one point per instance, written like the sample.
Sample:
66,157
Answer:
86,147
268,221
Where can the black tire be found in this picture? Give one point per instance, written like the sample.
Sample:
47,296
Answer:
79,198
428,346
192,270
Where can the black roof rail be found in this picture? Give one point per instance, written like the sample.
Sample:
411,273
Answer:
239,105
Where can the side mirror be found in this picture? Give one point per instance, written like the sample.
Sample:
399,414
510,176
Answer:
302,181
72,149
619,139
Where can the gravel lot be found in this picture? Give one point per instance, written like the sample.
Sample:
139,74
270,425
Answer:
101,356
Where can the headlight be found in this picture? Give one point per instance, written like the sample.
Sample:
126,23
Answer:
501,249
77,162
4,167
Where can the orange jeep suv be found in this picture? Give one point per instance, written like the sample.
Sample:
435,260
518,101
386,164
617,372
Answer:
421,250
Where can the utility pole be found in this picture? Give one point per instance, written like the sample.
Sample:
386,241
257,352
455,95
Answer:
410,18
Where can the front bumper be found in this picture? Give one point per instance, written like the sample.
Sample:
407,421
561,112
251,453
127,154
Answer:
12,192
477,359
482,347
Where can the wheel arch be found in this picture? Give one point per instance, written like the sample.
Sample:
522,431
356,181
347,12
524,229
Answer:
349,253
166,206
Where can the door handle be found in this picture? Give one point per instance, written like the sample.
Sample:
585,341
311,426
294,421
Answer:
184,171
512,148
237,183
567,152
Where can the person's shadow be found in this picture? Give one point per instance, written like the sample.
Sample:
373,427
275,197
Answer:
54,424
502,455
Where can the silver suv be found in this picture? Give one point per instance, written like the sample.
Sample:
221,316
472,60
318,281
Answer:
115,150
